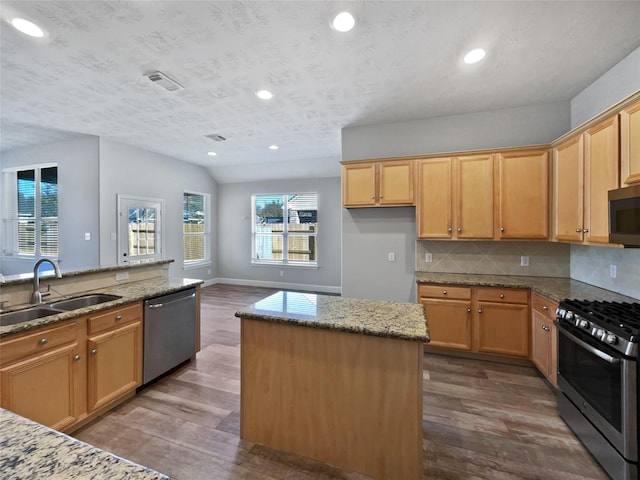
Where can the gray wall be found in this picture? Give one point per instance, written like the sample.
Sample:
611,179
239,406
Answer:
234,214
384,230
78,209
614,86
132,171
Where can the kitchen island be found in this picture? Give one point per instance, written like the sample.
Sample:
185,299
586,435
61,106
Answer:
335,379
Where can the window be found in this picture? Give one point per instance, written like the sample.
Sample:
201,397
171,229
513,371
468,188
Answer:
30,211
195,227
139,229
285,238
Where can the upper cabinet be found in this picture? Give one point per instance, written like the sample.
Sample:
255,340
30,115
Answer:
455,197
630,144
568,190
378,184
522,205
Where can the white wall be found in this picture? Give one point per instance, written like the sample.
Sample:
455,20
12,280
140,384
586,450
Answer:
234,215
614,86
78,208
387,229
132,171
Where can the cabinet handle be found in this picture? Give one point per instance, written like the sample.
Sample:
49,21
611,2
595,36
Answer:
585,230
380,197
468,310
578,230
444,292
502,295
373,197
43,341
449,229
545,328
502,229
94,351
76,357
459,230
544,307
479,310
118,317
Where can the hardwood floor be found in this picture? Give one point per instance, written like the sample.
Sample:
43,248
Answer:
482,420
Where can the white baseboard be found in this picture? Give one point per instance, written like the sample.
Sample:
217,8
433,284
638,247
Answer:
278,285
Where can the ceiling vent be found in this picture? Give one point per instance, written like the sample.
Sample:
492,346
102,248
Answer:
215,137
165,82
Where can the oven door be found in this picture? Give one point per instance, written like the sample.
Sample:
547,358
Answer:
602,384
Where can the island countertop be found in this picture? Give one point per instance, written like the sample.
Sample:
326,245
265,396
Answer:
405,321
29,450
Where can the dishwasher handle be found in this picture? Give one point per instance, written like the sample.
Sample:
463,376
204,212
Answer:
160,305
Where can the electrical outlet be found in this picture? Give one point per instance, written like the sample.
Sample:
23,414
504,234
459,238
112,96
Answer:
282,273
524,261
428,257
87,235
122,275
391,256
208,271
613,271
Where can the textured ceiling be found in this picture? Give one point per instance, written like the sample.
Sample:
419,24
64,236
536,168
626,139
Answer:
401,62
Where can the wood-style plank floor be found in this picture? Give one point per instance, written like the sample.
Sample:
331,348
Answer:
482,420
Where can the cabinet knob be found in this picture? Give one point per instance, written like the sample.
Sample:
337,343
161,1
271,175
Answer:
459,230
545,328
502,229
444,292
373,197
585,230
468,310
544,307
118,317
578,230
380,197
479,310
76,357
43,341
502,295
449,229
94,351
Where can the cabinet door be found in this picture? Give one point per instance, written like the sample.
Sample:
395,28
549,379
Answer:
541,342
449,323
601,175
115,364
359,185
435,198
474,194
396,183
630,144
502,328
43,387
524,195
568,190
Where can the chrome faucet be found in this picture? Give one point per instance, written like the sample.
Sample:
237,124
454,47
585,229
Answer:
36,296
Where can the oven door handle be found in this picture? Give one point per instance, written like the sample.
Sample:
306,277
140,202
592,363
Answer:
589,348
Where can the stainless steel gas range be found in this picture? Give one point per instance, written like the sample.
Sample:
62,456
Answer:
598,379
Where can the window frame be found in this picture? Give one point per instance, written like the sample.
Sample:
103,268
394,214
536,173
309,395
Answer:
285,261
11,243
206,234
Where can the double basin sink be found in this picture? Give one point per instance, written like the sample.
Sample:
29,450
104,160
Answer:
41,311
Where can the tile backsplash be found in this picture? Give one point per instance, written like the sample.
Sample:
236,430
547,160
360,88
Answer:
497,258
593,265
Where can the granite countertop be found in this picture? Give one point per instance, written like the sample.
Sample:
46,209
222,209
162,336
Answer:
551,287
405,321
29,450
130,292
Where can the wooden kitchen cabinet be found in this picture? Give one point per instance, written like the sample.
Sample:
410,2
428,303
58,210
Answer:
522,205
114,349
502,321
41,375
568,190
455,197
630,145
448,312
378,184
544,337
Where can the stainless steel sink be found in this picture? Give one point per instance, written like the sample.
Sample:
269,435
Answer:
11,318
83,301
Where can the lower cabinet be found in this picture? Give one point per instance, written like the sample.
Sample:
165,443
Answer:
484,320
60,376
544,336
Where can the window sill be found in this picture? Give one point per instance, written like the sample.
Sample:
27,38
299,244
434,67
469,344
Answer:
303,266
193,266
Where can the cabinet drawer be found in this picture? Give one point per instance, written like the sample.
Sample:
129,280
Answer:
444,291
38,342
503,295
544,305
114,318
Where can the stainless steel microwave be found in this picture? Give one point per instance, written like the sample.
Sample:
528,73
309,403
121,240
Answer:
624,216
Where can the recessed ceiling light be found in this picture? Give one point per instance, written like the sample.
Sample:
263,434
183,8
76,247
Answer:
212,154
264,94
343,22
273,147
474,56
27,27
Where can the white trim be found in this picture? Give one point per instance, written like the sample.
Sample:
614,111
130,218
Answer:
274,263
193,266
29,167
278,285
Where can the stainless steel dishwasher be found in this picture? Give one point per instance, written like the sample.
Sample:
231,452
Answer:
169,332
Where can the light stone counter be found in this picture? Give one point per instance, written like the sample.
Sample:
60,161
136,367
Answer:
31,451
554,288
130,292
404,321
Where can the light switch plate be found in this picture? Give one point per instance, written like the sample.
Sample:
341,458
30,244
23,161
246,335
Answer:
391,256
428,257
524,261
613,271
